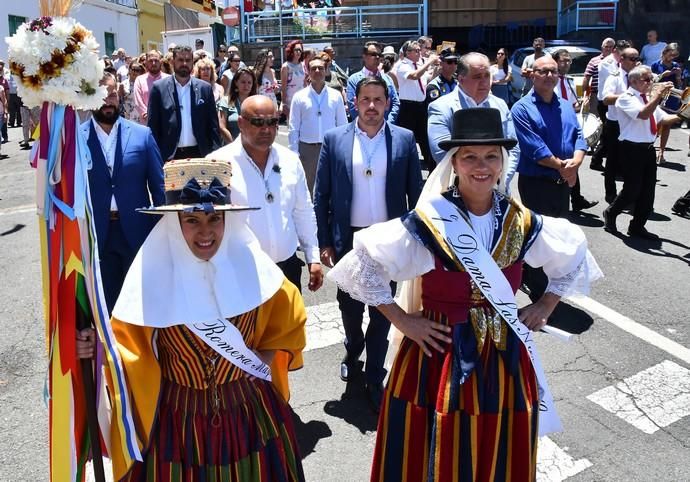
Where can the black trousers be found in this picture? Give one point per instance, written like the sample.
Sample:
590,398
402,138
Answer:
611,133
413,116
187,152
14,107
601,149
543,196
116,258
576,196
639,182
292,269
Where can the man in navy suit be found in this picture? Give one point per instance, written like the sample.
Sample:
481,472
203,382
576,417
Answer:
125,167
368,172
182,112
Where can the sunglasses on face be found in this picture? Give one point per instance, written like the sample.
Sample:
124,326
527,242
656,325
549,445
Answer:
264,121
546,72
374,54
235,60
298,50
632,59
500,53
451,61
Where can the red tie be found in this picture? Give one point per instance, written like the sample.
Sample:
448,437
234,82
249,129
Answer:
420,79
564,92
652,120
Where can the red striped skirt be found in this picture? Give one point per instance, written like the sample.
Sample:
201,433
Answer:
249,438
466,415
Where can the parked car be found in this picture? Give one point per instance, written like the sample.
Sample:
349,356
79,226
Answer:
580,55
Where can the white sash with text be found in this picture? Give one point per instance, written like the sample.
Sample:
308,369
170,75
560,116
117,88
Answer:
459,236
227,341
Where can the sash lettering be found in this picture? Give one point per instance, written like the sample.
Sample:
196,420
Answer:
451,227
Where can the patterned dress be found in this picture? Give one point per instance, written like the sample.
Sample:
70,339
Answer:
471,412
210,421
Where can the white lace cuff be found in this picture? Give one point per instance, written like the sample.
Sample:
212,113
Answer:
578,281
363,278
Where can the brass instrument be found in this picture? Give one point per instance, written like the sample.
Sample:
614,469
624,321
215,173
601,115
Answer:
674,100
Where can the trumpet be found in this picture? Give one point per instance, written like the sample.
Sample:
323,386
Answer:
673,100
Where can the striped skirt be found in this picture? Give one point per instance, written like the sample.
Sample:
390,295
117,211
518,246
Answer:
250,438
468,414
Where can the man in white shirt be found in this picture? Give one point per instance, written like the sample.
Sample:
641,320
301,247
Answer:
640,117
144,82
616,83
126,174
270,176
368,172
315,110
651,51
119,58
412,92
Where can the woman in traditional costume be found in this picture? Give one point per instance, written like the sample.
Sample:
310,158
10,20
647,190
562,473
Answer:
464,391
201,315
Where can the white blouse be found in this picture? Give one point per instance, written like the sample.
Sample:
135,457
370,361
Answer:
388,252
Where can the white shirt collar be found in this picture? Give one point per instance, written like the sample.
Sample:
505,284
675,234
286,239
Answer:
101,131
180,86
470,101
360,132
323,90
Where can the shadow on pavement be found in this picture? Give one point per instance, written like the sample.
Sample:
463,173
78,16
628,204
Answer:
674,166
309,434
571,319
585,219
17,227
654,247
353,406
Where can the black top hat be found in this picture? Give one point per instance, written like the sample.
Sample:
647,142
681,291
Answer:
477,127
448,54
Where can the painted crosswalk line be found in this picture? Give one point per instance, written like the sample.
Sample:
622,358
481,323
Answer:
651,399
554,464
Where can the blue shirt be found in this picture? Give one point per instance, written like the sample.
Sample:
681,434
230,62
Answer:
545,129
391,113
659,68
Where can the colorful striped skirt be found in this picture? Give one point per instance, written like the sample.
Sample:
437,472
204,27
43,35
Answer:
468,414
249,438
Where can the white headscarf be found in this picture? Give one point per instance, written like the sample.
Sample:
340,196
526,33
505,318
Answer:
168,285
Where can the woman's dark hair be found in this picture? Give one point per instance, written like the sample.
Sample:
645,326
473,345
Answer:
233,91
388,62
290,50
260,63
505,60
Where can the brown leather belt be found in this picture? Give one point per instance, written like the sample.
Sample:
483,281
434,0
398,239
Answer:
114,215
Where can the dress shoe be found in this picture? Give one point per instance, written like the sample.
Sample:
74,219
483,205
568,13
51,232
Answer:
609,222
609,198
597,166
375,396
349,368
583,204
641,233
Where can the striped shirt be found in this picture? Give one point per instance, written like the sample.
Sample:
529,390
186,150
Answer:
592,72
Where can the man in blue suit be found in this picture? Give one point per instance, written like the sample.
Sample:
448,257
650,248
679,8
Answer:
473,90
182,112
368,172
125,167
372,58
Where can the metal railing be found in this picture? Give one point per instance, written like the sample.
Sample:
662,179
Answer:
311,23
588,15
124,3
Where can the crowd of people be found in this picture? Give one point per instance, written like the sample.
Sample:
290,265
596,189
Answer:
191,137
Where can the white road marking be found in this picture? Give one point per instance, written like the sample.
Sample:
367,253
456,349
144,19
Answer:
651,399
25,208
634,328
554,464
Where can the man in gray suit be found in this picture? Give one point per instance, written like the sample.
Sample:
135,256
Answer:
473,90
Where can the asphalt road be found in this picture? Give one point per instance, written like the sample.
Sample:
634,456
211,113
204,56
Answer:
622,387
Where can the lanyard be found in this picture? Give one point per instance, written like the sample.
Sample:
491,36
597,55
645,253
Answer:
368,156
269,195
318,98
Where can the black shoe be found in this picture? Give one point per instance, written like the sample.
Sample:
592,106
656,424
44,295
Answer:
350,368
609,222
641,233
583,204
609,198
375,396
597,166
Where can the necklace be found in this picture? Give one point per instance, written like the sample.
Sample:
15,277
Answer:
318,98
269,195
368,171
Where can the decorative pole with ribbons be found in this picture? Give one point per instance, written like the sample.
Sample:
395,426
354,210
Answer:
55,62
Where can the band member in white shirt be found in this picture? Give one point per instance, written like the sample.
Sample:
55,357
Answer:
639,116
412,92
270,176
314,110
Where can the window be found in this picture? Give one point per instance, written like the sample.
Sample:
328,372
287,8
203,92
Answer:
15,22
109,43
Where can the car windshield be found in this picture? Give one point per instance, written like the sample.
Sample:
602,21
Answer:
580,61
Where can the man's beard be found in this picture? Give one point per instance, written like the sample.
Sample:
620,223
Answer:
184,73
106,117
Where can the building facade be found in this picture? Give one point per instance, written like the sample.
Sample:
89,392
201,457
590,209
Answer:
151,24
114,23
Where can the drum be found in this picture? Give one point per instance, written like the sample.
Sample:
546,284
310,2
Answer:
591,128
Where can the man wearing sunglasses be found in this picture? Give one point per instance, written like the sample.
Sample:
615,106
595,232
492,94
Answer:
616,83
446,81
270,176
371,57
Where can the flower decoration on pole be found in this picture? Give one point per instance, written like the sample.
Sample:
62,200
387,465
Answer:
56,64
